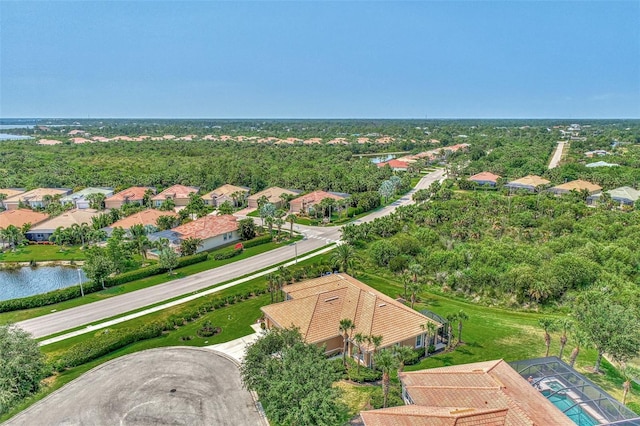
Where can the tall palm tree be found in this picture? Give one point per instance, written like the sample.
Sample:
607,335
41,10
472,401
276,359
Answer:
548,325
269,221
461,316
385,361
375,341
291,218
416,270
431,330
190,246
581,341
414,288
402,354
346,326
343,257
359,340
565,325
450,320
628,373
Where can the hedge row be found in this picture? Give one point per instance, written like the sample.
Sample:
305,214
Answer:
258,241
227,254
73,292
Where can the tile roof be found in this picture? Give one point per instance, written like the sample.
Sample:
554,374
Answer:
273,194
394,164
208,226
20,217
578,185
11,192
38,194
476,389
485,177
144,217
625,192
317,196
67,219
133,193
317,306
413,415
84,192
224,190
175,192
530,180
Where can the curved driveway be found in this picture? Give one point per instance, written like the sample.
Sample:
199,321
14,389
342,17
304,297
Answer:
315,237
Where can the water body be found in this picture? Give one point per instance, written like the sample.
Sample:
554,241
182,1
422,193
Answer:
15,126
28,281
10,137
376,160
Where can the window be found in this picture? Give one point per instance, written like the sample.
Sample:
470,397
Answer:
419,341
224,236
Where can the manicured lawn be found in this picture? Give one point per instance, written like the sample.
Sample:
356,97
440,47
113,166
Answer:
39,253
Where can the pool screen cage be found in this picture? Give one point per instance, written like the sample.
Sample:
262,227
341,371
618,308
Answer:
590,394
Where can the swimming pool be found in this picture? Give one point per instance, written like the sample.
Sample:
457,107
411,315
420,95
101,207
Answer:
575,413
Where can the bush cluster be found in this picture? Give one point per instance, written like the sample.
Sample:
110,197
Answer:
258,241
227,254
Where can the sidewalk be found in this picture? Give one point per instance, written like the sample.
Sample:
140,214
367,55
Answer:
235,348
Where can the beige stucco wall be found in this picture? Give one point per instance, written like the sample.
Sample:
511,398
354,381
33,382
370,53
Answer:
217,241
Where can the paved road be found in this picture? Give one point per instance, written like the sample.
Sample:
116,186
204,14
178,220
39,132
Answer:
557,155
177,386
315,237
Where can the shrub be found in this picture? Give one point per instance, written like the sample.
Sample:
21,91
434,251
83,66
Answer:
258,241
208,330
227,254
362,374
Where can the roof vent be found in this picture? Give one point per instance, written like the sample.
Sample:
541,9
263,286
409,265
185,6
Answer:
462,410
382,304
331,299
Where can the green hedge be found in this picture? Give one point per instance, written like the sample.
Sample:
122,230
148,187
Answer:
258,241
226,254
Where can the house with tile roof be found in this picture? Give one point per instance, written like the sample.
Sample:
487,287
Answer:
147,217
481,393
529,183
43,230
79,199
395,165
485,178
213,230
20,217
178,193
226,193
576,185
316,307
36,198
273,196
624,196
135,194
8,192
601,164
304,203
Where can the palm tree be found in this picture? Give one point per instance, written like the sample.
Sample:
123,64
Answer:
359,339
628,373
385,361
375,341
431,330
346,326
416,270
270,220
165,222
548,325
406,280
581,341
225,208
291,218
461,316
565,325
190,246
343,257
279,222
450,319
272,285
414,288
402,354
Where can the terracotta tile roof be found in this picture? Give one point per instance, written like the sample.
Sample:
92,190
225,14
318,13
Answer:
133,193
485,177
318,305
38,194
175,192
530,180
413,415
67,219
20,217
224,190
394,164
489,385
273,194
11,192
316,197
145,217
578,185
208,226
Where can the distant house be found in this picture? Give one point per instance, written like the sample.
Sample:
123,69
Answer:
213,230
303,203
20,217
625,196
9,192
485,178
487,393
79,199
132,195
597,152
576,185
36,198
396,165
529,183
601,164
147,217
316,307
178,193
225,193
43,230
273,196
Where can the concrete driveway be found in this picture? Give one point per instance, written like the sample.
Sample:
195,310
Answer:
167,386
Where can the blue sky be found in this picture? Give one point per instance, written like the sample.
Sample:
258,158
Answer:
480,59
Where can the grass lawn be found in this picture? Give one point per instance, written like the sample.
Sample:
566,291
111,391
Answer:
39,253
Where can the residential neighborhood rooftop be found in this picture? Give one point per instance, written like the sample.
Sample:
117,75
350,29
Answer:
133,193
144,217
530,180
208,226
11,192
578,185
38,194
83,193
67,219
225,190
273,194
21,217
317,196
485,177
174,192
394,164
601,164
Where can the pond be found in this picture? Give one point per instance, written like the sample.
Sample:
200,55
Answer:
27,281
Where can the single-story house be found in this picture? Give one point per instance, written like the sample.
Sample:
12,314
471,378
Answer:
396,165
316,307
485,178
625,196
226,193
178,193
273,196
20,217
597,152
147,217
135,194
36,198
303,203
7,193
480,393
213,230
529,183
601,164
43,230
79,199
576,185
